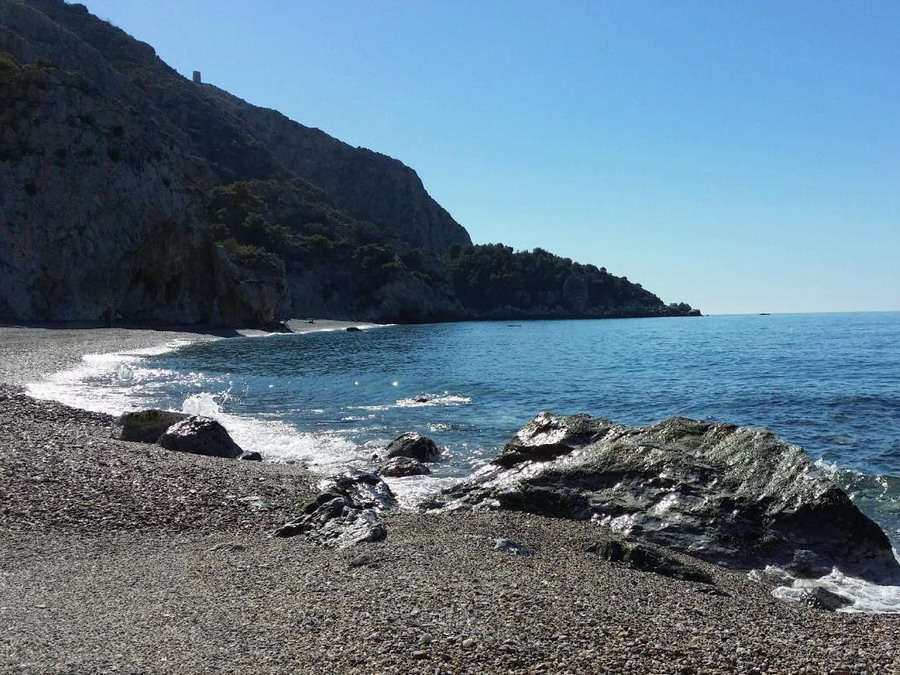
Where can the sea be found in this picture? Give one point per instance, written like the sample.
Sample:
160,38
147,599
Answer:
333,399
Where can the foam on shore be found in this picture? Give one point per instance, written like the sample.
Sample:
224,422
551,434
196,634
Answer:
864,596
117,382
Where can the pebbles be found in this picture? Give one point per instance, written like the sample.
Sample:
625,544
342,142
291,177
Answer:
119,557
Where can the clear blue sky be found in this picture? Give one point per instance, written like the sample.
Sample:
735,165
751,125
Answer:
740,156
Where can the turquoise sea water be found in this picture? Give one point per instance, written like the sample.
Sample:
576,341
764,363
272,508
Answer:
828,382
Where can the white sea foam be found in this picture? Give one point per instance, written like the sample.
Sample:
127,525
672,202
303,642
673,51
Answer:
426,400
120,372
865,596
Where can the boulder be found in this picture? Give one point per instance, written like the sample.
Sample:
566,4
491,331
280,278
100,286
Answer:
252,456
146,426
415,445
345,513
397,467
734,496
200,436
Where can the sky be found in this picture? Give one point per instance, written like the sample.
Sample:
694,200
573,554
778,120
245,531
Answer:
739,156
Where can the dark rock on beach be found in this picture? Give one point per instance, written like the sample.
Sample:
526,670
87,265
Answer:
364,488
146,426
250,456
415,445
200,436
647,559
397,467
735,496
345,513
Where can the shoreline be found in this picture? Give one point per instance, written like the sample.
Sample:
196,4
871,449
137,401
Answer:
122,555
24,359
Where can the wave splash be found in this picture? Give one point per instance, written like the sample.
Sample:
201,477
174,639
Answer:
864,596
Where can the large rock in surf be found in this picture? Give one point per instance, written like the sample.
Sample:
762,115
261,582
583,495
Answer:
415,445
734,496
346,512
200,436
397,467
146,426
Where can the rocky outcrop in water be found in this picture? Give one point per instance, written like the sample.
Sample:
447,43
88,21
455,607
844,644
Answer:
734,496
346,512
200,436
414,445
397,467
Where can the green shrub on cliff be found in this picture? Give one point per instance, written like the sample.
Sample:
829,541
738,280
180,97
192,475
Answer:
494,279
9,67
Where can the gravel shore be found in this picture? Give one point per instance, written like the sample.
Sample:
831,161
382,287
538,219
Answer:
122,557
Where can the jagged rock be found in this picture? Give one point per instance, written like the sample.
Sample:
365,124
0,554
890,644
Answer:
200,436
146,426
403,466
252,456
364,488
646,559
415,445
345,513
734,496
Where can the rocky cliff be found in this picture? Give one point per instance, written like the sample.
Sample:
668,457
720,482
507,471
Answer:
98,207
369,185
127,187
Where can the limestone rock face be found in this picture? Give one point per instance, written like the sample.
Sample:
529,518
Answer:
371,186
107,162
734,496
100,207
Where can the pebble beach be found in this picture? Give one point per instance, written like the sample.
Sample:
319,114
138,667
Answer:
124,557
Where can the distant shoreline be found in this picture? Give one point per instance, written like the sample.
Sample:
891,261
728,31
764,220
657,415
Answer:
31,352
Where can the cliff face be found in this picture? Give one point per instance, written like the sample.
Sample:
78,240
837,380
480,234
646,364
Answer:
107,159
98,204
124,186
369,185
